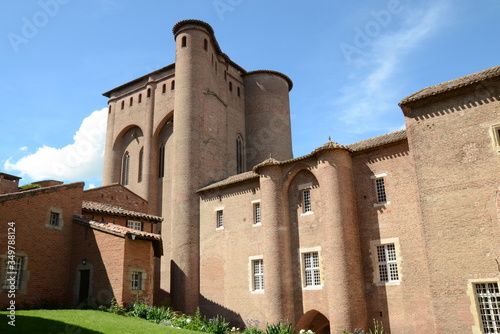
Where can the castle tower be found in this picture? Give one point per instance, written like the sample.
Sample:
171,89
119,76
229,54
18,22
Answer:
184,126
267,110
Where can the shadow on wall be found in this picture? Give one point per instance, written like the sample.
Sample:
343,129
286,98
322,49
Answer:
211,309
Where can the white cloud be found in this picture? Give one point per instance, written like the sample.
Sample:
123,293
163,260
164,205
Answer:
24,148
371,96
83,159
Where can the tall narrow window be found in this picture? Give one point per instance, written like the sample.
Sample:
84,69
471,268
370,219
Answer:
380,187
161,161
123,104
387,263
258,274
136,280
239,93
172,85
488,300
141,164
125,168
205,45
148,94
54,218
256,213
109,109
239,155
13,267
131,101
164,88
140,98
219,219
311,269
230,86
184,41
306,200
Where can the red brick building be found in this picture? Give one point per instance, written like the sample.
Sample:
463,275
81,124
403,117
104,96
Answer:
402,228
69,252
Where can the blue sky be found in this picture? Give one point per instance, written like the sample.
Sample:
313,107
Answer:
351,63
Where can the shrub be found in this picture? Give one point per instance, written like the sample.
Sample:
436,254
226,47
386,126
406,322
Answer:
280,328
139,310
378,328
115,308
217,325
158,314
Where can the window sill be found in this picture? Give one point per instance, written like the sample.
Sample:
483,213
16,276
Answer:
376,205
388,283
307,213
313,287
257,225
257,292
219,228
53,227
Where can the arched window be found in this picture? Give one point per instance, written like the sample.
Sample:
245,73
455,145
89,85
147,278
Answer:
184,41
164,88
131,101
161,160
239,155
140,98
172,85
141,162
149,92
125,168
123,104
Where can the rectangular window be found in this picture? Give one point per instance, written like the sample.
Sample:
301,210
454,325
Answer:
258,274
136,280
496,136
387,263
54,218
311,269
306,199
256,213
380,187
488,300
13,272
220,219
135,224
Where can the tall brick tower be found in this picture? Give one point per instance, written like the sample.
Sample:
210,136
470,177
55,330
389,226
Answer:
184,126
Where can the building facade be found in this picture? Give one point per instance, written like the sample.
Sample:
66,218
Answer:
401,228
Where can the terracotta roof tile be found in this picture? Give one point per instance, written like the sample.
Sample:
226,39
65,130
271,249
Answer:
378,141
115,229
116,210
452,85
230,180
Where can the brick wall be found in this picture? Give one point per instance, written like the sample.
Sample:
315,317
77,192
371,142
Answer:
118,195
45,274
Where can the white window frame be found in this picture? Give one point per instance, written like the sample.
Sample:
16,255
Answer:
477,313
380,190
391,261
134,224
317,276
219,218
257,216
136,280
256,279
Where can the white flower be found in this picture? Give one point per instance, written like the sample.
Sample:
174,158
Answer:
188,320
302,331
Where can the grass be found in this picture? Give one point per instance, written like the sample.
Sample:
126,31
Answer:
80,322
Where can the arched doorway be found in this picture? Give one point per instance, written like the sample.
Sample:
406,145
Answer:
315,321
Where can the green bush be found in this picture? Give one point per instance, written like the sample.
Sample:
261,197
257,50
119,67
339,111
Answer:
157,314
378,328
139,310
280,328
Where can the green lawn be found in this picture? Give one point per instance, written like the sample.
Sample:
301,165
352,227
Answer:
80,322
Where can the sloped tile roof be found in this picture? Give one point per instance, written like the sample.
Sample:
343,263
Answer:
378,141
116,210
230,180
452,85
115,229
